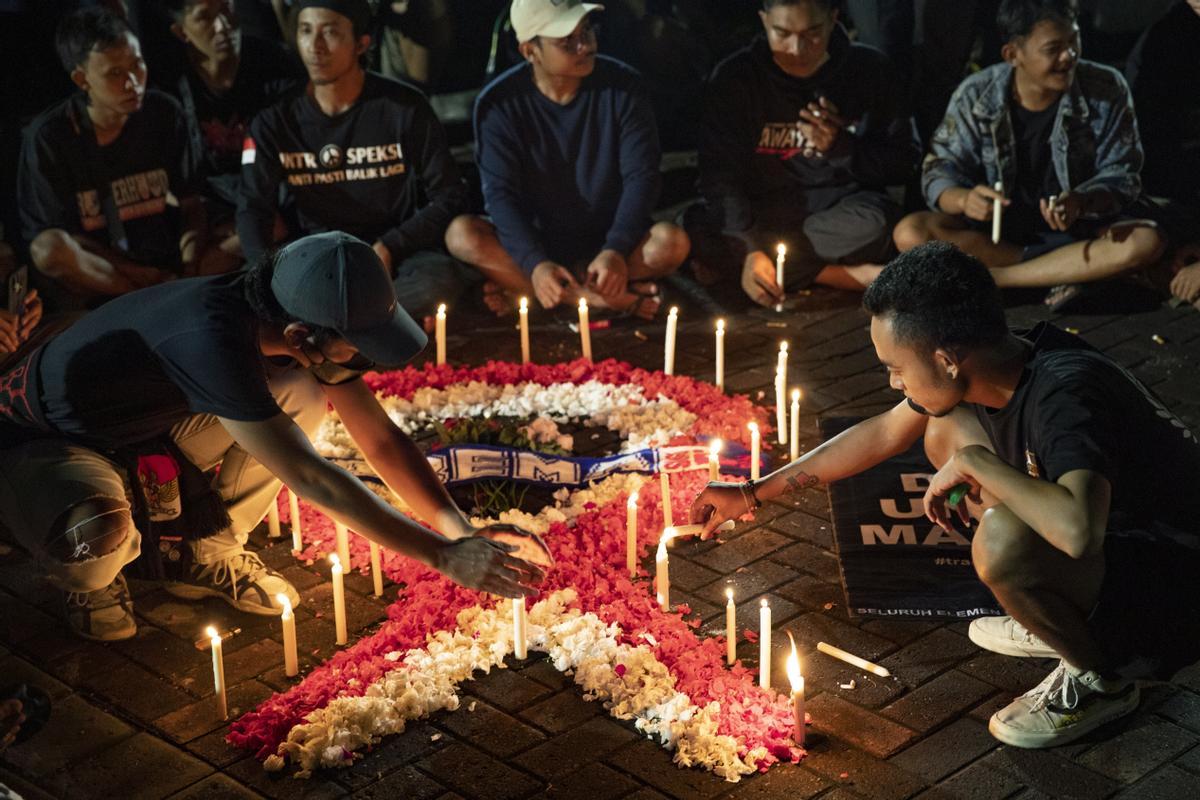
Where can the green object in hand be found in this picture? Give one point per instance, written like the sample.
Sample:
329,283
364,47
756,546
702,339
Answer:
958,493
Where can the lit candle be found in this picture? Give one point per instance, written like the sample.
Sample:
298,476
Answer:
218,661
997,211
781,392
662,572
376,570
339,599
794,440
797,682
714,459
665,482
294,512
520,637
273,530
780,256
290,659
730,628
343,543
755,451
524,330
441,333
585,333
720,376
764,645
669,347
631,534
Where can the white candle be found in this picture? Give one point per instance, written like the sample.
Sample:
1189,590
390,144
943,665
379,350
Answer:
376,570
781,392
997,211
631,530
755,451
764,645
290,659
273,530
849,658
665,483
339,600
669,346
343,542
797,682
218,662
662,572
520,637
680,531
780,256
524,330
794,435
730,628
441,334
585,333
720,375
714,459
294,511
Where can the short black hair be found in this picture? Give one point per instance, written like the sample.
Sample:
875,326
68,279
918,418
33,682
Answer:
85,30
1016,19
178,8
938,296
828,5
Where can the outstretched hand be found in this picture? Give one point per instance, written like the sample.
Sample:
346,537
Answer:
718,503
483,563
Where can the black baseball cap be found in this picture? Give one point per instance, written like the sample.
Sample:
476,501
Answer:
335,280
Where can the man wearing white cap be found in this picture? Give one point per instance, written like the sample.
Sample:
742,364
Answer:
568,155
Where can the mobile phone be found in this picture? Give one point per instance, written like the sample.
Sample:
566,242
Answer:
18,287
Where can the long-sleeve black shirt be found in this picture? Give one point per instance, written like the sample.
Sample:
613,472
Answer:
380,170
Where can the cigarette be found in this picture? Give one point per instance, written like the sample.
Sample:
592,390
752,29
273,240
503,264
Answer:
850,658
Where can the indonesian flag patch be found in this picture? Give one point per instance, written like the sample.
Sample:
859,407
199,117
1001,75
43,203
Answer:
248,151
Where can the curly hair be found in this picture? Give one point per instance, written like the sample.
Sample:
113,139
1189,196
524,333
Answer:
938,296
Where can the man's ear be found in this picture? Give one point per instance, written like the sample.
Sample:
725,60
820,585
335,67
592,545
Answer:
526,49
79,78
364,44
1008,52
947,362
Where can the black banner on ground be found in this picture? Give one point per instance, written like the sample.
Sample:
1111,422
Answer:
894,561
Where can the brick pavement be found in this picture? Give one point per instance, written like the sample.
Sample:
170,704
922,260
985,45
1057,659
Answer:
135,719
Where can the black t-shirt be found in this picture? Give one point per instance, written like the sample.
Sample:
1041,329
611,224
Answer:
381,170
130,370
1036,179
218,123
1075,408
125,194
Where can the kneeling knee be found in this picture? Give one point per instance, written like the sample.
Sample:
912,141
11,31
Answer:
998,549
1145,245
910,232
464,235
92,529
668,246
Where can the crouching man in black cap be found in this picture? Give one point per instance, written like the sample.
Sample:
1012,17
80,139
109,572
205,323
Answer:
106,432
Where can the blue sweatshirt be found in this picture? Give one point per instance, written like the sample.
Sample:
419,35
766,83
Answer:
568,179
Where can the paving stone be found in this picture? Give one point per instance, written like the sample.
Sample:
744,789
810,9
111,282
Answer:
15,669
929,655
20,621
1169,783
594,781
216,787
862,728
739,552
242,664
1133,753
1181,707
976,782
812,593
1049,772
753,579
213,748
569,751
823,674
281,785
470,772
813,560
945,697
545,673
406,782
52,643
419,739
141,767
562,712
22,787
165,654
490,729
1014,675
651,764
509,689
691,607
805,528
783,782
198,718
901,631
951,748
865,775
813,628
76,730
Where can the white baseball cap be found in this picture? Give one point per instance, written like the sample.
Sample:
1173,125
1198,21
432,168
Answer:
552,18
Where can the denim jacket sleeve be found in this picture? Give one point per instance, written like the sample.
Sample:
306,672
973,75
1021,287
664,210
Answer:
1117,163
955,155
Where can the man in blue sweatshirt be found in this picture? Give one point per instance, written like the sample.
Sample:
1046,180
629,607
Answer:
569,158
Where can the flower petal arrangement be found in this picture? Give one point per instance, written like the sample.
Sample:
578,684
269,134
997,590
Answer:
591,620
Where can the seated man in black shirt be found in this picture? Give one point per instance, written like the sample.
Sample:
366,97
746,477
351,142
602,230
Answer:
229,77
1058,136
359,153
105,429
1083,483
106,177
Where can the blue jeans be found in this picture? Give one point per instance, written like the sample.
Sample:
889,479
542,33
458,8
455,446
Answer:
427,278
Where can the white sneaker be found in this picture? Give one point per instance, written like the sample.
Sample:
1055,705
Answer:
1008,637
242,580
105,615
1062,708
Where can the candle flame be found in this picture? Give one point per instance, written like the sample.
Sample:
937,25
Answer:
582,304
729,593
781,248
783,347
667,535
763,602
441,309
674,312
753,426
714,447
211,632
633,499
795,395
333,559
793,668
721,325
524,303
284,601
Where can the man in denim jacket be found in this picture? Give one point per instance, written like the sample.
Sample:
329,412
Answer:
1053,139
